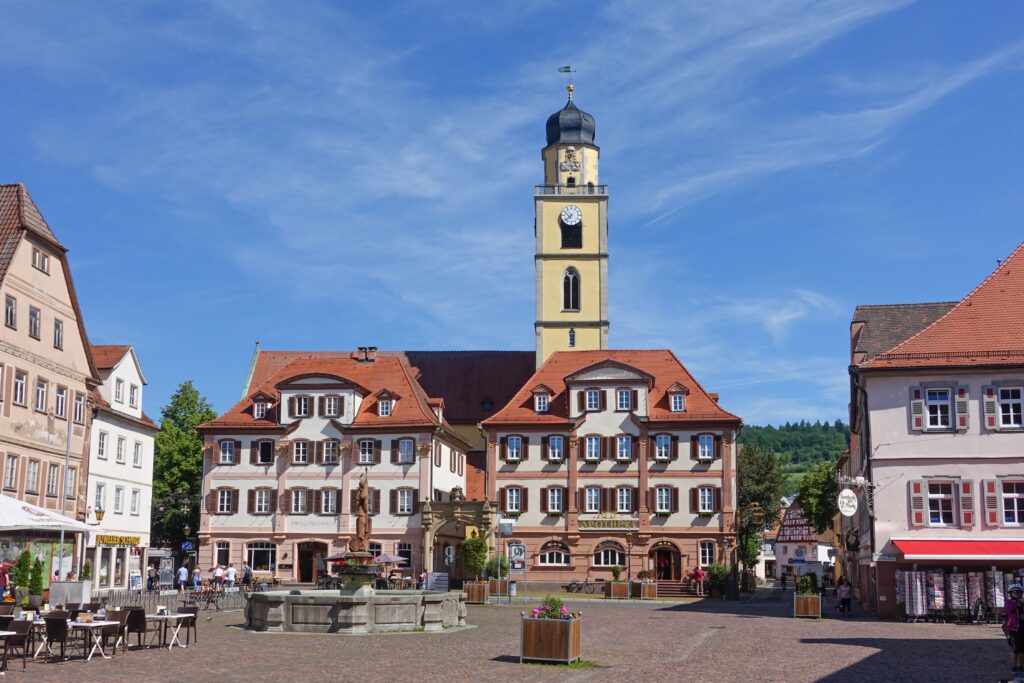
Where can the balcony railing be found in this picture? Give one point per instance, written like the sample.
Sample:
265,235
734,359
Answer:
570,189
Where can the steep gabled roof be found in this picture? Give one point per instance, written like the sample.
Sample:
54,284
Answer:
106,356
661,365
985,328
887,325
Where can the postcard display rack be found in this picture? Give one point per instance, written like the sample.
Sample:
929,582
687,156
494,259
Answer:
937,595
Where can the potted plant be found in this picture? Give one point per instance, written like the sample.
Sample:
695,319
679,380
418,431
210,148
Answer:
807,599
35,585
550,633
644,586
717,577
616,589
498,587
473,552
86,572
20,576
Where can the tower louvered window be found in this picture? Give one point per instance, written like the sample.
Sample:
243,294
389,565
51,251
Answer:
571,290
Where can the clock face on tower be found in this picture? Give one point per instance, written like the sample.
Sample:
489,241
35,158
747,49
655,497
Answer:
571,215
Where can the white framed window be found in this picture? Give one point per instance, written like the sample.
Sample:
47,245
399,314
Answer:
227,452
20,380
332,406
329,501
41,395
623,447
32,476
677,402
262,556
663,499
592,502
553,555
406,451
79,408
120,449
540,403
301,406
939,402
593,399
58,334
40,261
223,556
119,391
300,452
384,407
663,447
224,501
330,452
101,446
299,501
405,550
707,553
706,447
34,322
514,448
11,472
118,500
69,483
51,480
262,501
623,399
136,501
100,502
11,312
624,500
133,396
375,548
405,501
259,410
555,500
513,499
137,455
556,448
593,448
60,406
366,452
265,455
705,499
941,503
1013,502
1010,407
609,555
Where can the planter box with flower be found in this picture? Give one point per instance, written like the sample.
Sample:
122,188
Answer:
498,587
473,553
644,586
615,589
550,633
807,600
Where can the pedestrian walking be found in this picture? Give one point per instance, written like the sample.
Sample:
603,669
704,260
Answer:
1012,627
182,578
844,593
246,574
783,579
197,577
229,575
699,575
152,577
218,577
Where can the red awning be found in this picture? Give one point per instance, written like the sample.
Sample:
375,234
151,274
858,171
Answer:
960,550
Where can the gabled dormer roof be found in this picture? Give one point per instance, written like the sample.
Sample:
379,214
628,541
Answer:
386,394
108,356
543,389
262,396
608,364
678,388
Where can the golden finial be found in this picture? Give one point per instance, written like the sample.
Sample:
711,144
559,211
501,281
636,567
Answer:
569,88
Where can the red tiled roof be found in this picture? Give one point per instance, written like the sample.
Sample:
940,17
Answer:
107,356
660,364
985,328
103,406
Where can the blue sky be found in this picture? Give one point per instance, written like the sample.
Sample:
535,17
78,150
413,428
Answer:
326,175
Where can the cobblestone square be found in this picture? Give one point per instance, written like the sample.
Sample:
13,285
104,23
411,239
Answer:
706,641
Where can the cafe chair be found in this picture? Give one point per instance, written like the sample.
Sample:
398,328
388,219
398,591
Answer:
137,623
190,623
58,631
22,639
118,631
7,608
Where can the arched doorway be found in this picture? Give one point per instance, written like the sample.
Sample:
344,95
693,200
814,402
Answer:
311,561
665,561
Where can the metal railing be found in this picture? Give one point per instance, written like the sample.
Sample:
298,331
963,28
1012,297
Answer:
229,599
570,189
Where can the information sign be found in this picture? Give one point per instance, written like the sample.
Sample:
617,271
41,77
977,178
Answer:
847,503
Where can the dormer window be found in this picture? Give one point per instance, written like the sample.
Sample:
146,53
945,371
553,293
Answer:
301,406
593,401
678,402
384,407
332,406
259,410
540,403
624,400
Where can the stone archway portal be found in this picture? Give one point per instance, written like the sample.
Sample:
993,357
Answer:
450,520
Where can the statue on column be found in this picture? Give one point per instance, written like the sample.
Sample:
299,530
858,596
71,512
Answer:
364,526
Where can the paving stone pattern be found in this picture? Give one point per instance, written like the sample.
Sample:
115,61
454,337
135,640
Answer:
702,641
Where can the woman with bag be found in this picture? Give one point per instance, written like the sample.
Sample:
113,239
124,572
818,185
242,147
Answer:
1012,626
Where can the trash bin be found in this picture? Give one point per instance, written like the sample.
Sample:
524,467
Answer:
511,588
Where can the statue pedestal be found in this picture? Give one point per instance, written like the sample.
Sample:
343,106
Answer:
358,572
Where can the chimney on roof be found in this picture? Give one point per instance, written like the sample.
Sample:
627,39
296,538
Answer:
714,396
367,354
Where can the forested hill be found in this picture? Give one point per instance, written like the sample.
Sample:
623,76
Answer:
800,445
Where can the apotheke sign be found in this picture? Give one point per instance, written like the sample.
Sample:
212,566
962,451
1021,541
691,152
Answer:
609,521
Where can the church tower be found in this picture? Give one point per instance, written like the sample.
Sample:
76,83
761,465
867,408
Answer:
571,226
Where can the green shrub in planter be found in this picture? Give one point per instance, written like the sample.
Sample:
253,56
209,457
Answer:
86,572
616,572
35,581
21,572
718,575
473,552
492,567
807,584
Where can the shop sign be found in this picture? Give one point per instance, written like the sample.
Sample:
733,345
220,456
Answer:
107,539
847,503
610,521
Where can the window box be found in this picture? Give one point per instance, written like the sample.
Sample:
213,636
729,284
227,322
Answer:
616,590
645,590
666,513
477,592
550,640
706,513
560,513
807,606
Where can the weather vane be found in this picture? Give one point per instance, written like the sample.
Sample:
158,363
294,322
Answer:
567,69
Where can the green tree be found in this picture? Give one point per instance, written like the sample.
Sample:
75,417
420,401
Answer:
818,493
178,465
473,552
759,482
35,581
492,567
21,572
800,446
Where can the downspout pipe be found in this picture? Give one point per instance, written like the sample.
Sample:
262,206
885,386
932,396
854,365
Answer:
857,382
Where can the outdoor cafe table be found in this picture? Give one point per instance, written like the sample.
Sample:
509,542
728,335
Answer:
167,618
97,642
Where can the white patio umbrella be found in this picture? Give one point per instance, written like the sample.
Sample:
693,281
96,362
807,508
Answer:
17,515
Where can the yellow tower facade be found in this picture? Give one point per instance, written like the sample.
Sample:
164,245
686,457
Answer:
571,226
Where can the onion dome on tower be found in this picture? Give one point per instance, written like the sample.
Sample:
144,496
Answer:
571,125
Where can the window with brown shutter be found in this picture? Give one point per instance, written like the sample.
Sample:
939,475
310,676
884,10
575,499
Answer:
524,499
377,447
675,499
634,501
291,407
674,452
393,502
374,501
525,451
636,400
284,503
694,447
321,405
211,501
234,501
718,448
581,401
318,502
394,451
604,399
251,505
718,499
503,448
694,502
543,448
254,452
918,494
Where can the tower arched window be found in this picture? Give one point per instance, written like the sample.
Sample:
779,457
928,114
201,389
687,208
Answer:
571,290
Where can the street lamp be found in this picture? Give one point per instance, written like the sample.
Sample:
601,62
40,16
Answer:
629,553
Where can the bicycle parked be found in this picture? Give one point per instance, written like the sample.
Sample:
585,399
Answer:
581,587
